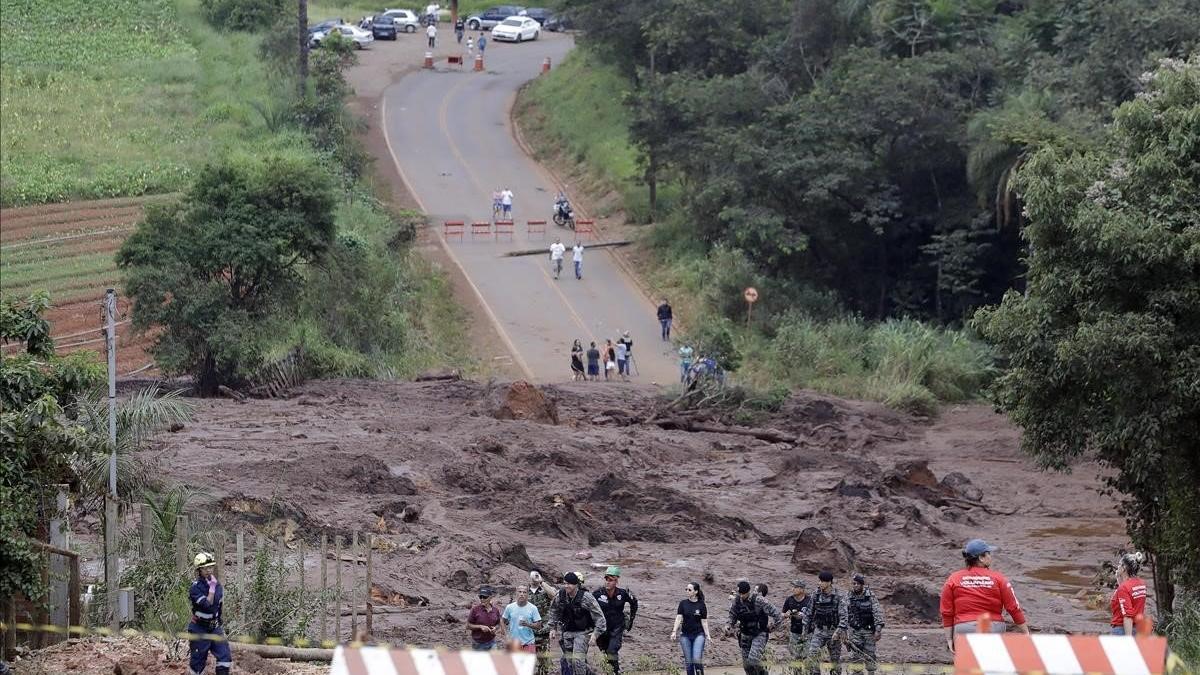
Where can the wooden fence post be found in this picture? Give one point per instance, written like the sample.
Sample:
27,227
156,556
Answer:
147,530
220,556
337,569
370,608
300,543
324,587
241,566
182,536
354,586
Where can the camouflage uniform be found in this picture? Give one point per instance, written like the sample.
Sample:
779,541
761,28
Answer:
826,620
866,619
541,637
755,618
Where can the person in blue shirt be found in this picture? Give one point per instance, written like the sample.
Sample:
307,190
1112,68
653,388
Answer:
523,618
206,595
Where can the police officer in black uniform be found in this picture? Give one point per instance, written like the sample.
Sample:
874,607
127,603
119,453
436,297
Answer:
755,619
612,601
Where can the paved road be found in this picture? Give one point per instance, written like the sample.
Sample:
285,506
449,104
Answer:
450,135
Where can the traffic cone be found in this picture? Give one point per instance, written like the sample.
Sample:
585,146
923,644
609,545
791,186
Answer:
479,62
546,65
429,60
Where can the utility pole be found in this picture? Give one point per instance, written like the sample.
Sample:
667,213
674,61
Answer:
111,563
302,37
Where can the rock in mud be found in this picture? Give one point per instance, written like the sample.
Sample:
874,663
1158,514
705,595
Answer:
962,486
522,401
919,603
816,550
915,479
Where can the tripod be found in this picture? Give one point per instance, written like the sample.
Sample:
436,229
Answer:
632,365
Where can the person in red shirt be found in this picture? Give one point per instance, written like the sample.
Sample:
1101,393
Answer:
975,590
1129,600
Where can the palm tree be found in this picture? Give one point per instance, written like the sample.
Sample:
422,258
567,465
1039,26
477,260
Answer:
138,419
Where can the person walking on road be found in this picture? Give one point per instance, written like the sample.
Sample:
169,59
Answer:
459,29
574,614
754,618
557,250
622,357
975,590
610,358
794,608
827,624
431,33
471,52
1129,600
628,342
483,622
541,594
577,258
691,627
613,600
866,624
482,44
207,596
686,355
593,362
522,618
506,195
576,362
665,316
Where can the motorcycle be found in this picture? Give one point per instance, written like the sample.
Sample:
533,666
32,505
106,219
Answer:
564,215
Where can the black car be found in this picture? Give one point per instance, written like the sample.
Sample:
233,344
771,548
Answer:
383,28
492,16
539,14
557,22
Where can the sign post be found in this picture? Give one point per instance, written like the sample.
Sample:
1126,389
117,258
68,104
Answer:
751,296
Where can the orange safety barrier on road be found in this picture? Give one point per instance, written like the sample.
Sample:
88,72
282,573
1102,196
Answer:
504,227
429,60
481,227
546,65
583,228
537,227
455,60
479,62
986,653
387,661
453,228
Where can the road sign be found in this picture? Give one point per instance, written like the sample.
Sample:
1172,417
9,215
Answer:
751,294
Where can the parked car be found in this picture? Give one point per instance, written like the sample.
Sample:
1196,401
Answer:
517,29
539,14
323,27
491,17
558,22
358,36
404,19
383,28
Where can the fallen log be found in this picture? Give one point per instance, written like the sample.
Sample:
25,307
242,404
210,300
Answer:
281,652
546,250
769,435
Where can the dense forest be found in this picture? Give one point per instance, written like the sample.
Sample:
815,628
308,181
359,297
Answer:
867,148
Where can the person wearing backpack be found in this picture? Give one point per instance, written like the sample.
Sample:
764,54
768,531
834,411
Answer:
754,619
574,615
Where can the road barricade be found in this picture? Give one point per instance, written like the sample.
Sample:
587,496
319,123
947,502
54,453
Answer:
481,228
455,60
453,228
504,228
366,660
585,228
537,227
986,653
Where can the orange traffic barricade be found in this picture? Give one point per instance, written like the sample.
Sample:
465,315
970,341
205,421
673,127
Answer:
537,227
453,228
584,228
505,228
481,227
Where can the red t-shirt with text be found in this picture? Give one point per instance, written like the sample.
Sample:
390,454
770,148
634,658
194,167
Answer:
972,591
1128,601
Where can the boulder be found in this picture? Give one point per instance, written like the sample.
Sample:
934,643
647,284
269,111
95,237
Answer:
961,486
522,401
816,550
914,479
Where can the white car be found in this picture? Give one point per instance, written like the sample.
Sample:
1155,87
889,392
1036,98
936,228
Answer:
517,29
405,20
361,38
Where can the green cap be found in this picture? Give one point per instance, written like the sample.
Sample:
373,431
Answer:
612,571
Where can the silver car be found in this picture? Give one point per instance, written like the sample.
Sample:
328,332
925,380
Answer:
405,20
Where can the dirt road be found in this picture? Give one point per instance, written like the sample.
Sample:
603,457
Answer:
449,134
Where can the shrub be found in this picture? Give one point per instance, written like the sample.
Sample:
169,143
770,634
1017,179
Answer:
714,339
247,15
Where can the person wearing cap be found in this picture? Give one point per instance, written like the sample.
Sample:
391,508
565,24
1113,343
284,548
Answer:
574,614
541,594
207,595
793,608
826,622
483,622
613,600
975,590
866,623
1129,600
522,619
628,342
754,618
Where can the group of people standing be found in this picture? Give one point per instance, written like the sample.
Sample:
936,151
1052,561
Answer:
615,359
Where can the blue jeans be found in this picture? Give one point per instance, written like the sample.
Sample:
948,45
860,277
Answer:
666,328
684,367
483,646
578,269
692,647
1118,630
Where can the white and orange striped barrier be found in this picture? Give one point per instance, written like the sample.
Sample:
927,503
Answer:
1059,654
385,661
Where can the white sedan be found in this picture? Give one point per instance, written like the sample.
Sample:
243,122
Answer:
361,38
517,29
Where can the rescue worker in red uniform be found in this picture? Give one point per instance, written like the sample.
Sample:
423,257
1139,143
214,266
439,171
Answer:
977,589
1129,600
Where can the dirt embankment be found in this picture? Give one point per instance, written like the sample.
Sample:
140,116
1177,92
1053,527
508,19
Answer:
464,485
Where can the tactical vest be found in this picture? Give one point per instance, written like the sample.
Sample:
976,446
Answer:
752,619
825,610
574,616
861,615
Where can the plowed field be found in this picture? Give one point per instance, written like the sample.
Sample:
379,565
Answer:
67,249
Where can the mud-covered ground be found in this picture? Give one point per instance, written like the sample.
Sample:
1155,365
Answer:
668,506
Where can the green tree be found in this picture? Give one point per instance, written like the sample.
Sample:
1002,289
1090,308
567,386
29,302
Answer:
1104,350
38,443
209,269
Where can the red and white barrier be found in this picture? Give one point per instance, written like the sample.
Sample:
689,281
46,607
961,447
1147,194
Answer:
986,653
384,661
